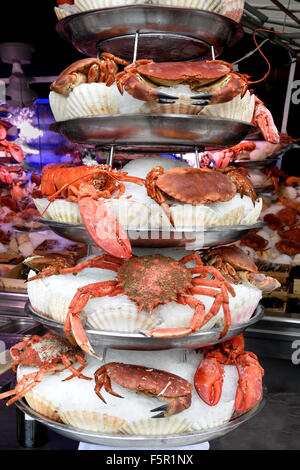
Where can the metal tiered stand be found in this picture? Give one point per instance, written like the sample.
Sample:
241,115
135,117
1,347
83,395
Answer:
162,34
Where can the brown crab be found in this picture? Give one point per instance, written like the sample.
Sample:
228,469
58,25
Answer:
196,186
234,263
90,70
154,382
141,79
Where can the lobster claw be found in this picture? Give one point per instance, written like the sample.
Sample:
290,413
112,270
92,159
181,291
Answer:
208,380
250,390
103,227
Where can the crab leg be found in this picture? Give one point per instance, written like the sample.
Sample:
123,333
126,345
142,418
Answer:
75,372
131,83
233,87
81,298
20,390
97,262
194,325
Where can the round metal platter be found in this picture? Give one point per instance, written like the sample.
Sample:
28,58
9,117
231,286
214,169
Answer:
140,441
144,130
256,164
190,239
187,33
101,339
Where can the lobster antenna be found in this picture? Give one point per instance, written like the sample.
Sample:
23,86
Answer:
263,55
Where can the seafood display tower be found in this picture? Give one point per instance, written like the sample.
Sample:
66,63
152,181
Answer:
159,33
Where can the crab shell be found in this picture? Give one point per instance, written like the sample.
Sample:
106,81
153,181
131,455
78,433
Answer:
234,255
73,76
196,185
47,350
198,73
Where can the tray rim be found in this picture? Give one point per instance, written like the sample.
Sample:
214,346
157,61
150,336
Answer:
236,36
257,315
211,228
162,440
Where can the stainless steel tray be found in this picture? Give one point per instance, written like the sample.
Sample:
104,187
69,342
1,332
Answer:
190,239
101,339
155,130
185,32
257,164
139,441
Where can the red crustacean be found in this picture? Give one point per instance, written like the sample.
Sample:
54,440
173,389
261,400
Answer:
254,241
5,173
51,354
154,382
196,185
89,185
208,379
222,158
234,263
141,79
9,148
150,281
89,70
288,247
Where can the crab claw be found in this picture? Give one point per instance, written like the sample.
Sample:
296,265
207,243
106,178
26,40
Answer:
103,227
208,380
16,152
173,407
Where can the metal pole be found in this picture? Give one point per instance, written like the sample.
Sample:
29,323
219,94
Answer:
110,158
288,96
197,157
136,43
213,55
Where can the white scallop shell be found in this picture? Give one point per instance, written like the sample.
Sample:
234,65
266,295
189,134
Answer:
210,5
120,316
159,426
92,421
240,109
84,5
58,104
90,99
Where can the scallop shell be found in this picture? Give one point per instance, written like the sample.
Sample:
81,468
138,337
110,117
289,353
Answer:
84,5
59,210
187,215
41,405
176,108
216,416
58,104
90,99
240,109
210,5
231,217
61,13
121,317
158,426
92,421
253,215
58,309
